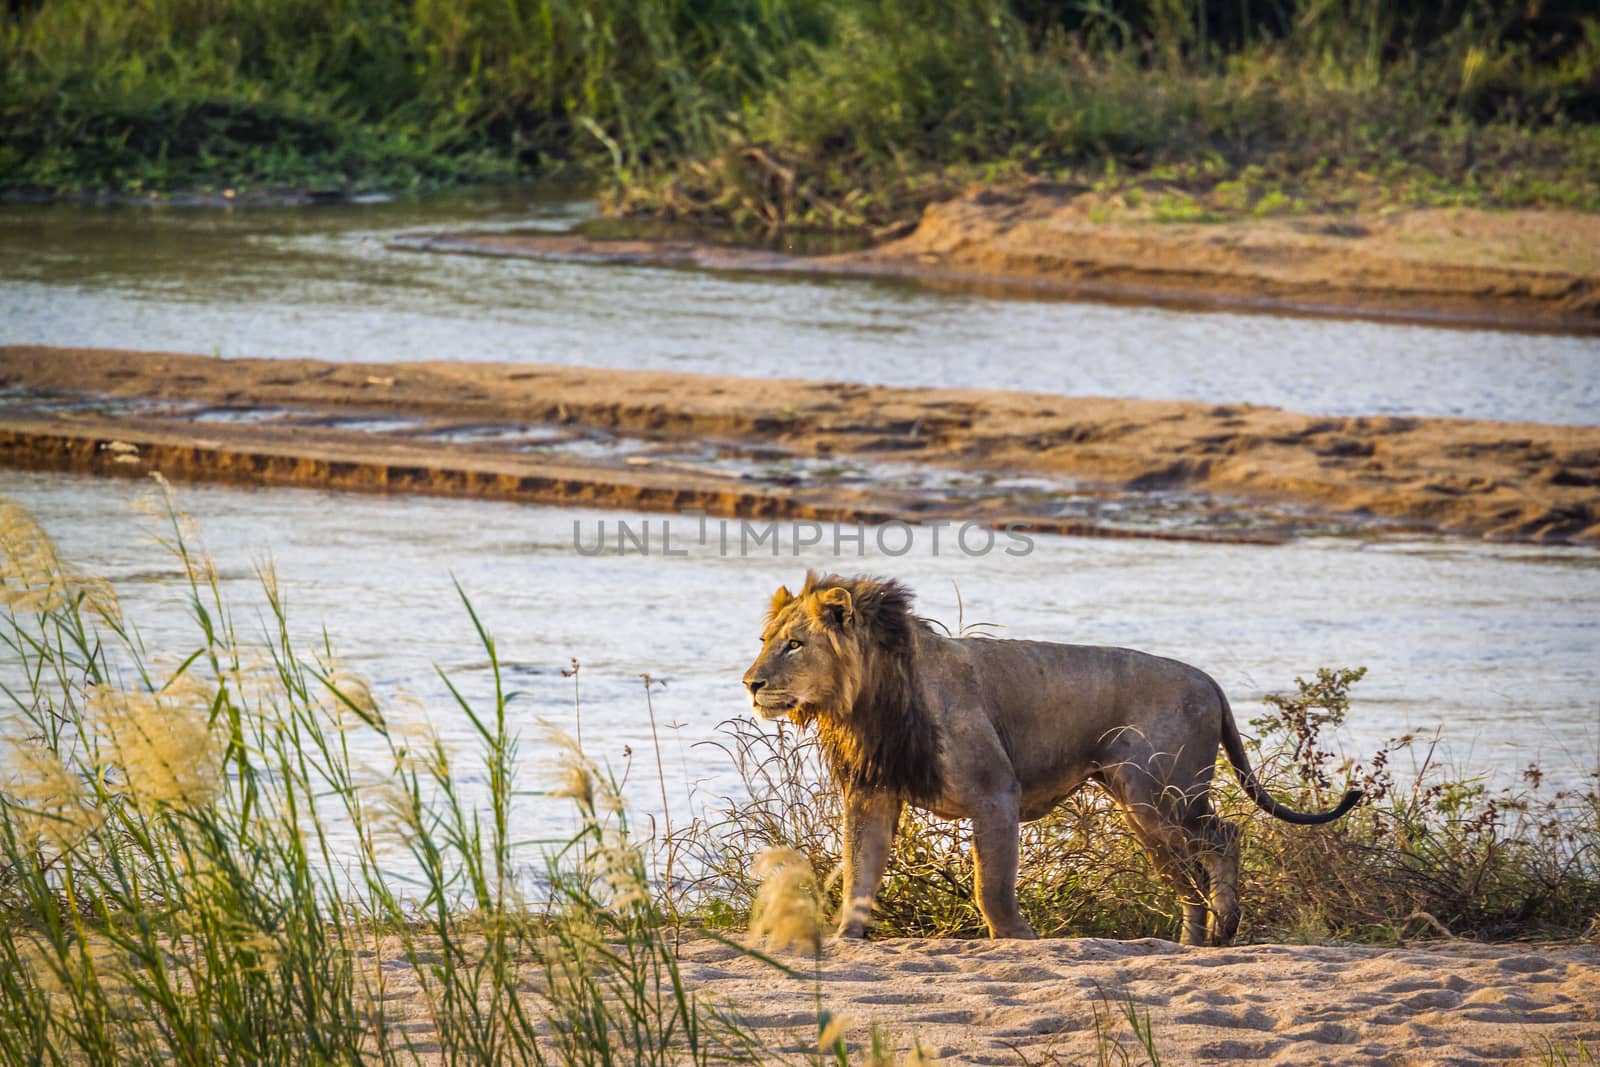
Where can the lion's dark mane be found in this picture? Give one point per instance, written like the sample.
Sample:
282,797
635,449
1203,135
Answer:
887,740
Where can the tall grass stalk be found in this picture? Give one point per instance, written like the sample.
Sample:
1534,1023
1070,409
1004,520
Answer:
200,863
661,778
197,867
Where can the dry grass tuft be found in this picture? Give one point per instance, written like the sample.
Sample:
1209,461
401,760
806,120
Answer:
787,912
33,577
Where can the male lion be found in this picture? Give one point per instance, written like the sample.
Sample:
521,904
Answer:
1000,732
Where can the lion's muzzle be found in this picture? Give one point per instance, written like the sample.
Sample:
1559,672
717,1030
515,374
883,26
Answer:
766,703
772,706
773,712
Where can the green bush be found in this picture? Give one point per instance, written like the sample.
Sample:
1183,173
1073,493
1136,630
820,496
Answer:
839,113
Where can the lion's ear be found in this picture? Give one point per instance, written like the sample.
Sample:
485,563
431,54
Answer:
833,607
781,599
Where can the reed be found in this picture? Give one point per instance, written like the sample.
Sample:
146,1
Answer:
196,867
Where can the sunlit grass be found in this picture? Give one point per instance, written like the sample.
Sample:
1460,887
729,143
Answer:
1433,852
827,113
195,868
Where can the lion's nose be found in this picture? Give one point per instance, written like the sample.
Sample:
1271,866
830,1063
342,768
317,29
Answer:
755,684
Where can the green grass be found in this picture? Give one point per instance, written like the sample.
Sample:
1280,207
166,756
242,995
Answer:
1578,1054
172,890
840,114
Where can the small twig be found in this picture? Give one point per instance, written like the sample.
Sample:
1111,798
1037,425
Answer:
577,713
661,776
1441,928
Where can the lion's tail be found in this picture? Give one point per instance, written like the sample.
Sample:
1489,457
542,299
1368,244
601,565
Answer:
1233,744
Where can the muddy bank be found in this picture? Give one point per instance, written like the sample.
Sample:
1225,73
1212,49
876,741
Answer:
1499,480
1525,270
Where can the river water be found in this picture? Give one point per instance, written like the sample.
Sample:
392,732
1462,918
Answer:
324,283
1492,645
1497,646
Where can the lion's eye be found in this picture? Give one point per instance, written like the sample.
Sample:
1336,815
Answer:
792,645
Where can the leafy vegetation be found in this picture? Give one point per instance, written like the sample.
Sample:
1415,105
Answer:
828,113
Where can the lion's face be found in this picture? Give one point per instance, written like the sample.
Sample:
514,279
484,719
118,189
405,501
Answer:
808,659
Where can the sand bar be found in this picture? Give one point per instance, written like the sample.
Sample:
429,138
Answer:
1505,481
1514,270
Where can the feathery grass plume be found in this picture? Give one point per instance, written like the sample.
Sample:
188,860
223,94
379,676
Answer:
409,738
621,868
881,1050
577,773
346,696
52,804
253,682
183,541
615,862
391,803
232,905
165,743
832,1033
787,912
33,577
59,978
393,813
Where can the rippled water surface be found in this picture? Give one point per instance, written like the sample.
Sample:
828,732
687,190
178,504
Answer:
323,282
1493,645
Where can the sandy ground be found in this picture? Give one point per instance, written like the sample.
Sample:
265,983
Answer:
1498,480
1523,270
987,1002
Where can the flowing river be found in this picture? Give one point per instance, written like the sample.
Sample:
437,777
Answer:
325,283
1497,646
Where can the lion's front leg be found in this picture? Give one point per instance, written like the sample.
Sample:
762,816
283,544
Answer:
995,832
869,822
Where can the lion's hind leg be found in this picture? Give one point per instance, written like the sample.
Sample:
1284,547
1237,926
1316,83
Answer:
1166,820
1221,861
995,833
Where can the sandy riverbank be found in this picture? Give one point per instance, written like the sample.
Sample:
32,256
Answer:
1514,270
1020,1003
1498,480
1521,270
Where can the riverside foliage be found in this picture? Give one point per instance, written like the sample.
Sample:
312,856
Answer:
1429,853
829,113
